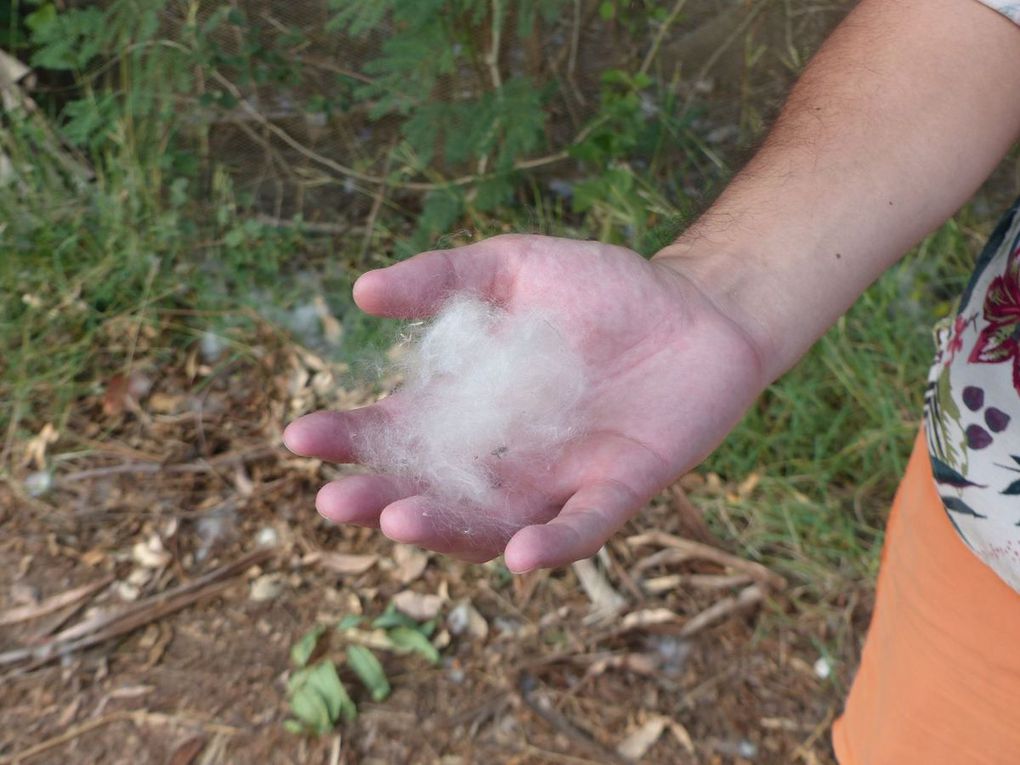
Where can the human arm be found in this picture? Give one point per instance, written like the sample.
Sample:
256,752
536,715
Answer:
898,119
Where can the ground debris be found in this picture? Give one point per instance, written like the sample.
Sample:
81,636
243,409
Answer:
171,506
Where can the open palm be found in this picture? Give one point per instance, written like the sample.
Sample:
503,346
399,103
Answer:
670,376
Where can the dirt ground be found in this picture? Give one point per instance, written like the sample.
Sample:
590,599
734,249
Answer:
675,650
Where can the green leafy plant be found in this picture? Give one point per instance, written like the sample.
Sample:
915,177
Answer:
318,699
472,121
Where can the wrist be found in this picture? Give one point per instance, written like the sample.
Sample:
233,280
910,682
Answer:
784,263
725,279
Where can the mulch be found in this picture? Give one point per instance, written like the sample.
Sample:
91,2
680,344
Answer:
151,590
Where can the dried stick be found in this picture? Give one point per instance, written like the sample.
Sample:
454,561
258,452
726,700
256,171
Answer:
746,598
492,57
700,551
605,600
53,603
659,36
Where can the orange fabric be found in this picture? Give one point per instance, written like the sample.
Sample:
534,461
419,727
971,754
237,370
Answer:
939,681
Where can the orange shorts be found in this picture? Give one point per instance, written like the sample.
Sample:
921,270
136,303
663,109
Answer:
939,681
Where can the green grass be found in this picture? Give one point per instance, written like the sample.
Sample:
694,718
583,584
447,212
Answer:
90,271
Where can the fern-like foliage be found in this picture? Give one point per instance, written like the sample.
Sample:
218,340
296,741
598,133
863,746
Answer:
434,71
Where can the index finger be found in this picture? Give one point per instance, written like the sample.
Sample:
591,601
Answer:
415,288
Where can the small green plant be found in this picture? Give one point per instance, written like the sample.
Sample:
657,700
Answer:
318,699
405,635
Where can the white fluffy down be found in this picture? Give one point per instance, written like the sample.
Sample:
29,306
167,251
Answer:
486,390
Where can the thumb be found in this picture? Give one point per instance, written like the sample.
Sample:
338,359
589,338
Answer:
586,521
415,287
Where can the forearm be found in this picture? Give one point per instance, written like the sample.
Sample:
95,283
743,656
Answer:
895,123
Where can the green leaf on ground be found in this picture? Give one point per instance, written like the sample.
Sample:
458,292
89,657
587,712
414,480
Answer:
303,649
409,640
367,667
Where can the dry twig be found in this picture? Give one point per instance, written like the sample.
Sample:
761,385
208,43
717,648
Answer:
653,51
698,551
53,603
747,597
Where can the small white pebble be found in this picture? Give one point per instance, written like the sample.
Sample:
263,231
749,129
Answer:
267,537
266,587
822,668
212,347
747,750
126,591
38,483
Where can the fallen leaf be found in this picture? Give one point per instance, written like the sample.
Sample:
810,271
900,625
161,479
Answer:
323,383
115,395
464,617
124,390
639,663
266,587
186,753
151,553
410,563
682,736
637,744
165,403
345,563
690,519
242,482
126,592
35,449
332,329
93,557
606,602
647,617
748,485
371,638
420,607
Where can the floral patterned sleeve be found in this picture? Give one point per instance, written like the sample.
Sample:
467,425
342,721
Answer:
1008,8
972,406
972,402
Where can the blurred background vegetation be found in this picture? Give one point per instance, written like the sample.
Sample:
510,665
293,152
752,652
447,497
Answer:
192,169
191,172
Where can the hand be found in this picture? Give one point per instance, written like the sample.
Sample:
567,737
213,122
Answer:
671,375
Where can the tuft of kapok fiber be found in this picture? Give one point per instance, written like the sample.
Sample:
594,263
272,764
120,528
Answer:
483,388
